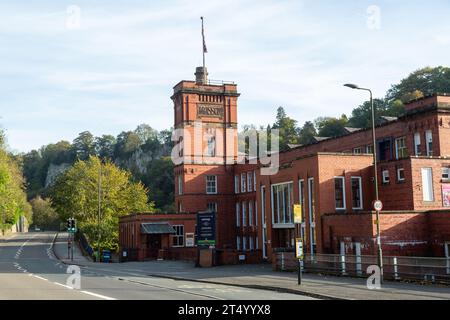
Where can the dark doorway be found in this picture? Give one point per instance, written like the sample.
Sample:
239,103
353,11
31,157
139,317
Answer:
153,245
384,149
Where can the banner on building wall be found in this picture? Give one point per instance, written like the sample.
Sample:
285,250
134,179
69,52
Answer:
298,213
206,229
446,195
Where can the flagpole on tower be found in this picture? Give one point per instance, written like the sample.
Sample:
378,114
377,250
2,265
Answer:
205,50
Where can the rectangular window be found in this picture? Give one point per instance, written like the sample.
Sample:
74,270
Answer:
243,182
256,243
212,206
211,146
178,237
211,184
301,196
339,192
445,173
244,214
400,174
429,141
256,214
236,184
238,215
180,185
417,150
427,184
357,150
282,203
254,180
385,175
251,243
250,181
312,208
369,149
238,243
357,193
244,243
400,148
250,213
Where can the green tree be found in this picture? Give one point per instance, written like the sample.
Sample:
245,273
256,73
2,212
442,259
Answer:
83,146
288,131
307,133
76,192
421,82
331,127
43,213
104,146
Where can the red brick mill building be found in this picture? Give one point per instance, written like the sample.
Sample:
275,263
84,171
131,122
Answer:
332,178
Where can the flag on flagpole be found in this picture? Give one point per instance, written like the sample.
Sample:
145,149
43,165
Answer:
205,50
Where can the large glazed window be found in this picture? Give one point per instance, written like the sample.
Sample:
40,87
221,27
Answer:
282,203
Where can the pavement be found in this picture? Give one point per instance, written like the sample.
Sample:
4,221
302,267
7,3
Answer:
262,277
30,270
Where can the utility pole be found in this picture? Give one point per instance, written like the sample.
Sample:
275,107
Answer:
99,208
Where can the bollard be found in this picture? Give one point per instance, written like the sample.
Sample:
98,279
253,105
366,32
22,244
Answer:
343,264
396,277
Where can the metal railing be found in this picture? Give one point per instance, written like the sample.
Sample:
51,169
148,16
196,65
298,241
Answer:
428,269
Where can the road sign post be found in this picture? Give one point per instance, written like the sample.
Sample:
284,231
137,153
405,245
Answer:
298,219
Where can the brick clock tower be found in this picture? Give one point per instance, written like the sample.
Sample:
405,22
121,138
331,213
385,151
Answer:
205,117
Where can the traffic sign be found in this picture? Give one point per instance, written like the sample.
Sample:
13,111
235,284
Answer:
378,205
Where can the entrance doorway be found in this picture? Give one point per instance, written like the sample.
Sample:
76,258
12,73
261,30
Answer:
153,245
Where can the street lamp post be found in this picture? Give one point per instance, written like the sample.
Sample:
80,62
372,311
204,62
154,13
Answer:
380,252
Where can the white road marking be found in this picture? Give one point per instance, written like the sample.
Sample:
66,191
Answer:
39,277
63,285
98,295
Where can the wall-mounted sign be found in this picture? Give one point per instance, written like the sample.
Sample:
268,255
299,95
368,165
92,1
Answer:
209,110
206,229
190,239
446,195
298,213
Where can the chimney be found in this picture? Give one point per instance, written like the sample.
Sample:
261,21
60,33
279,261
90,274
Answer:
201,75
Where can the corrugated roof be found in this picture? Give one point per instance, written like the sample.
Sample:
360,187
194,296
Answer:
156,228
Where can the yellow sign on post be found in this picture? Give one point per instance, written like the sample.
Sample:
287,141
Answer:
298,213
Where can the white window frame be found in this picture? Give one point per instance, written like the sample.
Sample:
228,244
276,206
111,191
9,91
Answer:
342,178
361,205
311,212
445,171
427,188
243,182
429,140
357,150
369,147
254,180
256,213
236,184
250,243
397,149
398,174
180,185
244,213
211,146
288,207
250,213
244,243
250,181
178,236
417,144
215,206
238,243
385,174
209,188
238,214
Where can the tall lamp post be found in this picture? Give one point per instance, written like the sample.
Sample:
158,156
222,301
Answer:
380,252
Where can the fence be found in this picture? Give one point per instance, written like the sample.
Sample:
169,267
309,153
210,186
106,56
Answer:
85,244
394,268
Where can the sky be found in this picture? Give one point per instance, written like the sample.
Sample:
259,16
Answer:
108,66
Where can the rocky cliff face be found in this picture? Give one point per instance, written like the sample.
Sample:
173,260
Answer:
54,170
